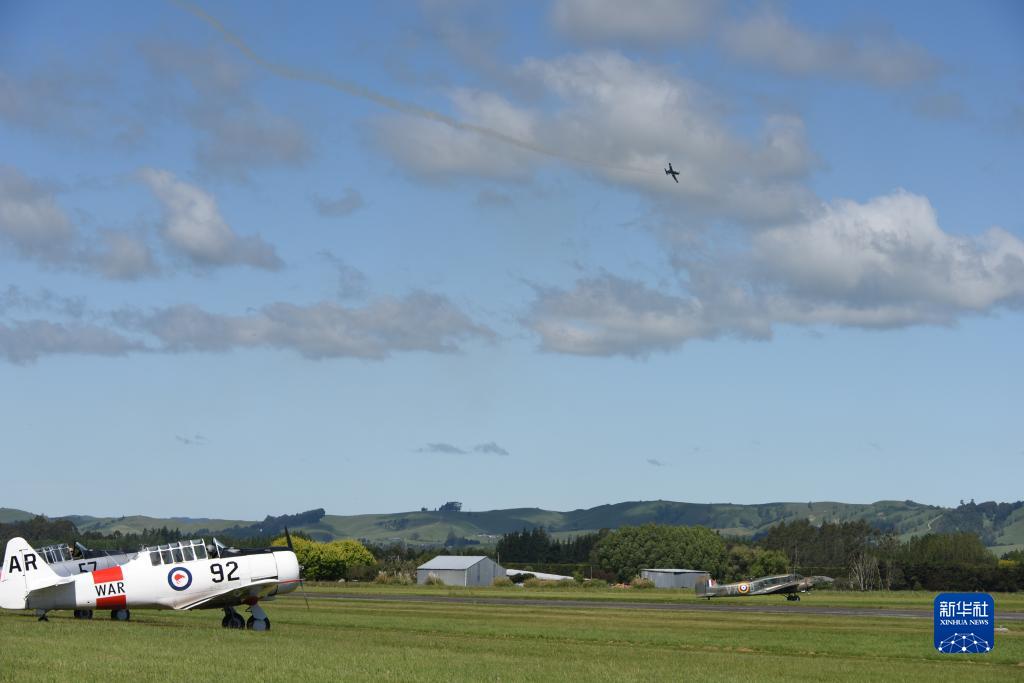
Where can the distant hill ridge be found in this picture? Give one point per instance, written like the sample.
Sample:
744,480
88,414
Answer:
1000,525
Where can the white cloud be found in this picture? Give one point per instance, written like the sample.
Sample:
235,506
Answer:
39,230
768,39
30,219
608,315
887,262
623,121
26,341
432,148
641,21
881,264
194,226
420,321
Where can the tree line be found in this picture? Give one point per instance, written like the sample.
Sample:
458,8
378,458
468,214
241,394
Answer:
861,556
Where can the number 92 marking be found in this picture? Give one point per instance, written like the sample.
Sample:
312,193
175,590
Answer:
218,572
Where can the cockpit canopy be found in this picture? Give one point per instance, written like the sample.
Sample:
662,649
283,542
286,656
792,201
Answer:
55,553
178,551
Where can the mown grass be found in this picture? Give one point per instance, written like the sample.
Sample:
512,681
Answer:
414,641
1005,602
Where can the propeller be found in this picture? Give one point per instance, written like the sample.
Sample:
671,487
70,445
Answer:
302,582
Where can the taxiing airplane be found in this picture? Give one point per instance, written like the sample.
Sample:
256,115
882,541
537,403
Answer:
790,585
180,575
672,172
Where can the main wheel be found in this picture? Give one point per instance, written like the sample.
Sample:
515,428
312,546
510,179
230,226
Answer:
120,614
83,614
254,624
233,620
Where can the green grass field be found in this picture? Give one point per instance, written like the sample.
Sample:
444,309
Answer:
405,641
918,600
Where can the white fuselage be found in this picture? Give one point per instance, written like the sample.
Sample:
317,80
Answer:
232,580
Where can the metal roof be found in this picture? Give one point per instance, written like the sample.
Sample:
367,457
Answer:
452,562
677,571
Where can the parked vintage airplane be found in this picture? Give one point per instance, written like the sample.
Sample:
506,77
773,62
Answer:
790,585
180,575
65,561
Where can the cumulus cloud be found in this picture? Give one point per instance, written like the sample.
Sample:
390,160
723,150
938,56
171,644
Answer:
194,227
643,21
768,39
880,264
349,202
23,342
420,321
30,220
608,315
887,262
37,229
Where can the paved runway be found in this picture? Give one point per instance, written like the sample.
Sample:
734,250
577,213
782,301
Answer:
703,606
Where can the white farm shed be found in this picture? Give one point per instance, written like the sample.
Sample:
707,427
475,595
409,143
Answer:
460,570
673,578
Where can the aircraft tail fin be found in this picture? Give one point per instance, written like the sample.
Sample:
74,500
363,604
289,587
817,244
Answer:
24,570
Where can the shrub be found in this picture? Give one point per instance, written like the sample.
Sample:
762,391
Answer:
434,580
594,584
640,583
502,581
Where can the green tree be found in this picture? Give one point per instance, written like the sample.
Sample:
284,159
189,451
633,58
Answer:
329,561
629,549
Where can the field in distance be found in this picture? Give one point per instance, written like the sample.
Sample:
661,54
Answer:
409,641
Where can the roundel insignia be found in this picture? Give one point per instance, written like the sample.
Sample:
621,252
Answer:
744,588
179,578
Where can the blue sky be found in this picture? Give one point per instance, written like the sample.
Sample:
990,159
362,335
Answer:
257,259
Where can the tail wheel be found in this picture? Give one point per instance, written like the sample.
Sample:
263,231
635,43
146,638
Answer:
254,624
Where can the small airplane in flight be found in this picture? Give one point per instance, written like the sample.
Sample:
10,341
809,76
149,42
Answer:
790,585
180,575
672,172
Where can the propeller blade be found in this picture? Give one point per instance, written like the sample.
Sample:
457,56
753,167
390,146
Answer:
302,587
288,538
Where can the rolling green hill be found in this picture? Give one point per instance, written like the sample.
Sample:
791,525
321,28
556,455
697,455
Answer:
1001,526
8,515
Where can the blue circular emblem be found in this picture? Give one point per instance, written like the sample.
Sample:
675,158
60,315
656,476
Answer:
179,578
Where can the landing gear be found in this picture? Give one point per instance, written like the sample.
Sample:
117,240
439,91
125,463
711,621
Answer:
83,614
41,613
120,614
232,619
793,597
259,620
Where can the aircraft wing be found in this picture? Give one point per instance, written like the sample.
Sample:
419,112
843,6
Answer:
233,596
788,587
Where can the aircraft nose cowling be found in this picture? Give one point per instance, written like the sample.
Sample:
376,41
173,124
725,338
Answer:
287,571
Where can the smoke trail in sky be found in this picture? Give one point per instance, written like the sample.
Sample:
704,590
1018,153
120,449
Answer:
356,90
